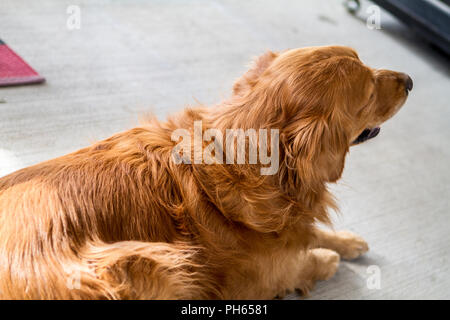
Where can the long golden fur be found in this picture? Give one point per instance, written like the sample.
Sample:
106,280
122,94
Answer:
121,220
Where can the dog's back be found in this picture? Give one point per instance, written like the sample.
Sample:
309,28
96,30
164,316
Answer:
70,227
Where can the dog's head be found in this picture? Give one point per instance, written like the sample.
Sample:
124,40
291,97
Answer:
324,100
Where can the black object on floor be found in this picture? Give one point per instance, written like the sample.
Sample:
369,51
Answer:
429,18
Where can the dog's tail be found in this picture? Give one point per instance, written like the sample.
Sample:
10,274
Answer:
121,270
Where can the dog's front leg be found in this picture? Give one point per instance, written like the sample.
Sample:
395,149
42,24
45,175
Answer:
347,244
313,265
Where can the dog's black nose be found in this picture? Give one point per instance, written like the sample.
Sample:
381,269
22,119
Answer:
408,83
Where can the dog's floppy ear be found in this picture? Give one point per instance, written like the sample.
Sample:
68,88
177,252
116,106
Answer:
259,65
317,136
315,150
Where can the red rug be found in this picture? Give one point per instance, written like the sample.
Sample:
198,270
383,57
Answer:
14,70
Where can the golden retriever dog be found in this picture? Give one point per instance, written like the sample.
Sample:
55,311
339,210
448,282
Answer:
121,219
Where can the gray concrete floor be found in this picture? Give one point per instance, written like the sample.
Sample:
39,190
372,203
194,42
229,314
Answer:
134,56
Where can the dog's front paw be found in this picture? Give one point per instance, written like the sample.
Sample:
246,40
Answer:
351,246
327,263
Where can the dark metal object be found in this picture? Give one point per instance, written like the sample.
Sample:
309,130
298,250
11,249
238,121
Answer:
429,18
353,5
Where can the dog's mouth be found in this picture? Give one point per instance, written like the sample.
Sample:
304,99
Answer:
366,135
